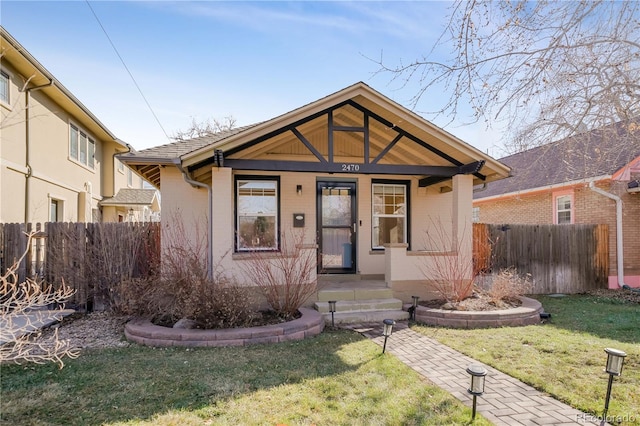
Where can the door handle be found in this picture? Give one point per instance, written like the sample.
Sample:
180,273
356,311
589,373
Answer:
354,227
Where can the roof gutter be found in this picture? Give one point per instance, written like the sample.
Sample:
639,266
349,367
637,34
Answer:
619,242
195,183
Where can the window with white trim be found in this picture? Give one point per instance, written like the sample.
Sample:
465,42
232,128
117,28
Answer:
55,210
4,87
389,214
82,148
257,208
563,210
129,178
120,165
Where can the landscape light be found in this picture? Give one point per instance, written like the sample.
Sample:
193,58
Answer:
415,307
615,359
386,332
332,309
478,374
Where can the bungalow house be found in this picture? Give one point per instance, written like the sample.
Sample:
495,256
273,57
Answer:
591,178
364,178
57,160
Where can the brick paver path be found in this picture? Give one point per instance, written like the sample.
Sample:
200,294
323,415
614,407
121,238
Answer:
506,401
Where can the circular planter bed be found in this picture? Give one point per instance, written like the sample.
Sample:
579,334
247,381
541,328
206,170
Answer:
526,314
144,332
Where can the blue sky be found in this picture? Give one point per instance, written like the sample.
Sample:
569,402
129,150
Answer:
213,59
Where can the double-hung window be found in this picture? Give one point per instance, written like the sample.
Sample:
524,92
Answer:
563,209
257,206
389,214
82,148
4,87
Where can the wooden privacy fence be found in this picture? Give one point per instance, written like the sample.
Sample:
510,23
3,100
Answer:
91,258
560,258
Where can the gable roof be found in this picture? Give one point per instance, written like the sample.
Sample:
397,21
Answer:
445,149
597,154
133,197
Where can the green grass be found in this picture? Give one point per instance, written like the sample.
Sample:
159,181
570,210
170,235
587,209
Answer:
565,357
337,378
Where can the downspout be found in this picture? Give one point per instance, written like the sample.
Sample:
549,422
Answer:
619,242
192,182
27,145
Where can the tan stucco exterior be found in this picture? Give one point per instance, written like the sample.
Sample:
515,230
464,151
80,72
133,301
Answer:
36,166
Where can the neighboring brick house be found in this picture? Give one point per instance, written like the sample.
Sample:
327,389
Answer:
567,181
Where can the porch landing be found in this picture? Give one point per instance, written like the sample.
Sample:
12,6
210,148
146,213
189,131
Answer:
357,300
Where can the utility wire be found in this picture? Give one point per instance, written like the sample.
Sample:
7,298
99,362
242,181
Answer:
127,68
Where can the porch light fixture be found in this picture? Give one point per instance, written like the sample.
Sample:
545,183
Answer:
299,190
415,306
387,330
478,374
615,359
332,309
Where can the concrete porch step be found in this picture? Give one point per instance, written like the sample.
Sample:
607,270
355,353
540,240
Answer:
344,294
361,305
355,317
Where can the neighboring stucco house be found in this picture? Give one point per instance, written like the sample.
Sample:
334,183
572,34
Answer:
362,176
591,178
57,159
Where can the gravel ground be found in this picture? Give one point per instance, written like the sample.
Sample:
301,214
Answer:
96,330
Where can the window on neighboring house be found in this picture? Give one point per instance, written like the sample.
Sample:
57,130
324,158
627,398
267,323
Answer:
82,148
129,177
475,215
389,214
4,87
563,209
257,207
55,210
120,165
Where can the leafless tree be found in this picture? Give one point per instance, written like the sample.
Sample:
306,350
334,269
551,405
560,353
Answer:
547,69
205,128
23,308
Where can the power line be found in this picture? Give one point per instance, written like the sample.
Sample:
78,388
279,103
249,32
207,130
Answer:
129,72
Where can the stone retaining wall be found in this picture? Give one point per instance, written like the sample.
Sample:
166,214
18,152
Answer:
142,331
526,314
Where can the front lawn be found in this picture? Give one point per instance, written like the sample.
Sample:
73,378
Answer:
337,378
565,357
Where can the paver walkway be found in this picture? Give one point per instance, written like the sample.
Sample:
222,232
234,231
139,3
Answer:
506,401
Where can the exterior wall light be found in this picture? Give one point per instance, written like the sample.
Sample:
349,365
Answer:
615,359
299,189
478,374
386,332
332,309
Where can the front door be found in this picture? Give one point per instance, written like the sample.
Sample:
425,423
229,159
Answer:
336,227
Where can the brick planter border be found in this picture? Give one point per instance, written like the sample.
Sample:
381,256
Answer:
143,332
526,314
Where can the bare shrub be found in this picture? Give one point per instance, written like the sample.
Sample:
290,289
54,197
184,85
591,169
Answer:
183,289
22,307
286,278
508,286
451,271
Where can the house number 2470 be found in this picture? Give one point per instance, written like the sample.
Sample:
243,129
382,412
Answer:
350,167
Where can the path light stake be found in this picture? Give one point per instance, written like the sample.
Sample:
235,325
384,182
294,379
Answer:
386,332
415,307
332,309
615,359
478,374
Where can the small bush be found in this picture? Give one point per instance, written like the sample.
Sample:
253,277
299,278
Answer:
508,285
